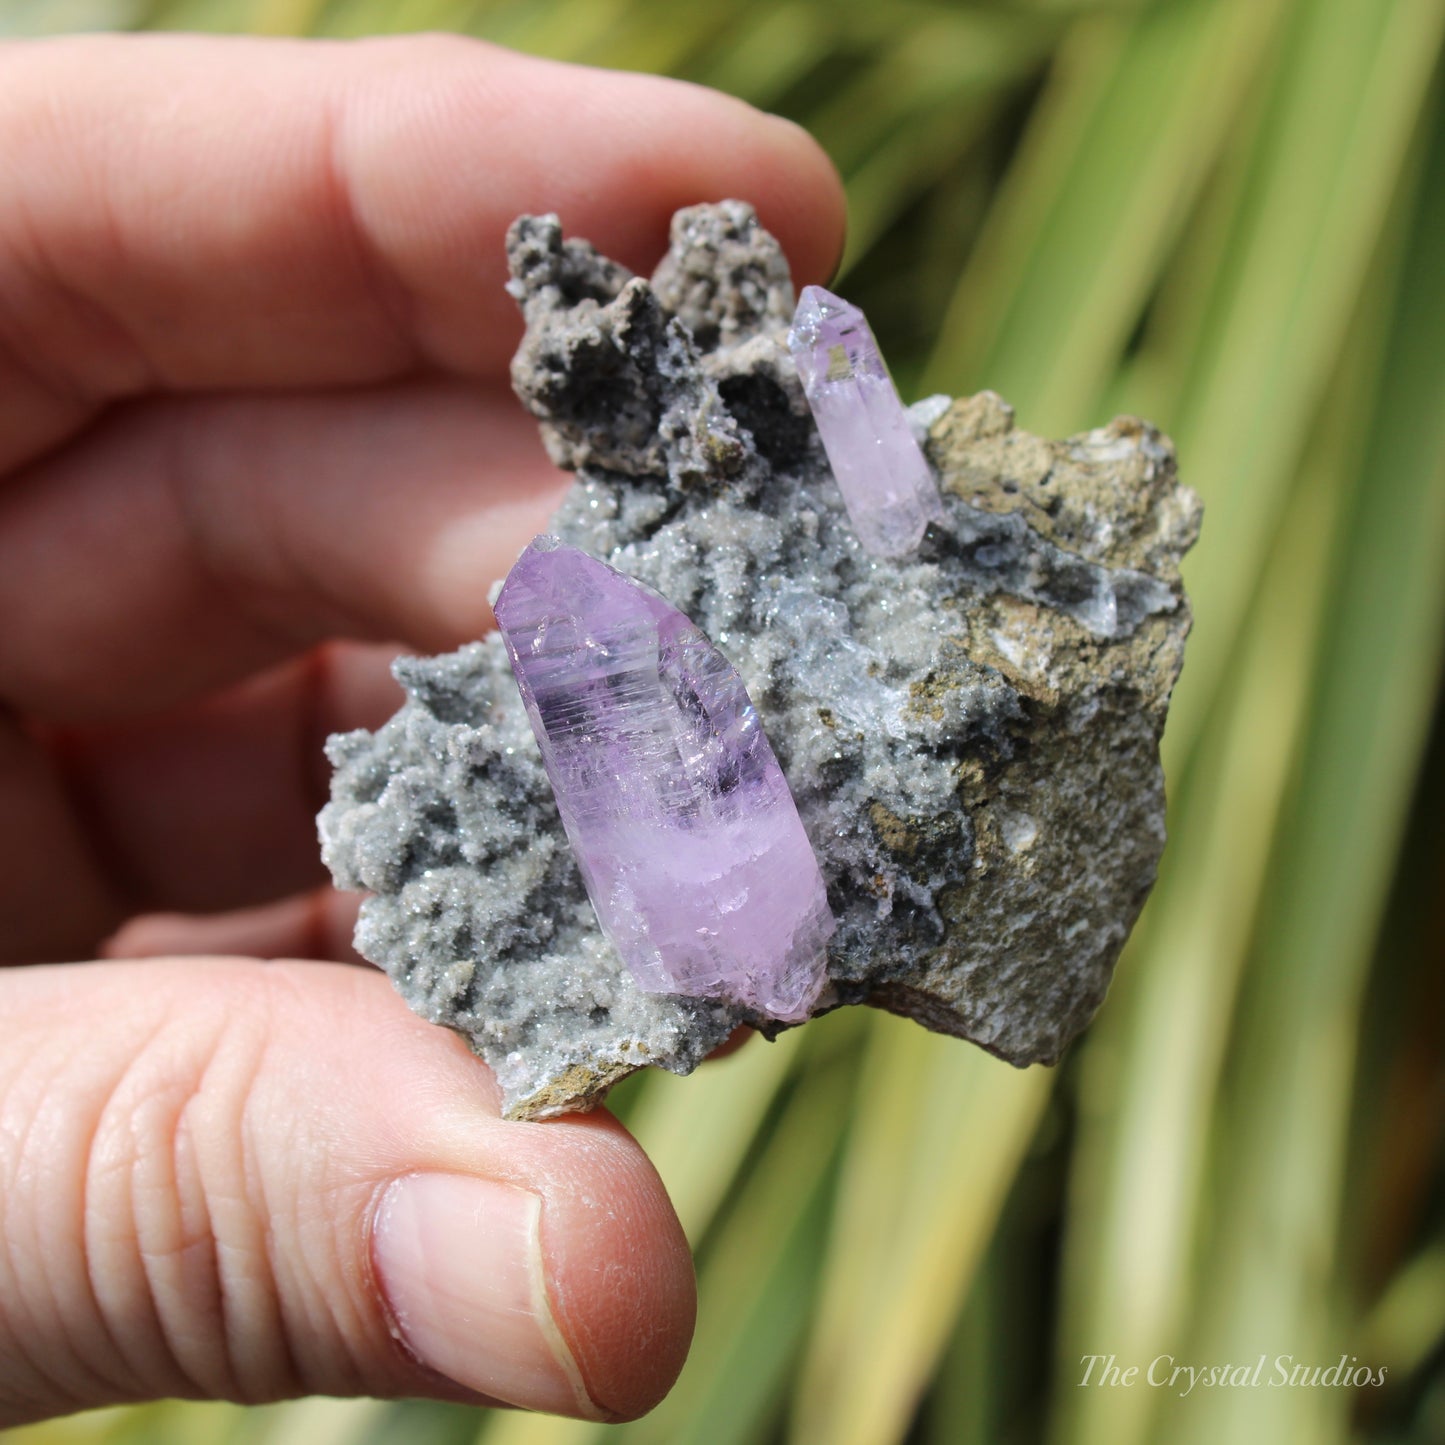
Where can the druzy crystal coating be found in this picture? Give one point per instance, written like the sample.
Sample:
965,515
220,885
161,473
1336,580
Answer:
880,469
682,823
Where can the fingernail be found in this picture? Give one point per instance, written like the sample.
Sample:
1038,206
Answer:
460,1263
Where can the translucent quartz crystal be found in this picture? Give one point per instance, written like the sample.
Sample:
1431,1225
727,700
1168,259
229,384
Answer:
881,470
678,813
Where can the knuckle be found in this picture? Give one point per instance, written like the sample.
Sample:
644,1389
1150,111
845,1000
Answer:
174,1240
171,1222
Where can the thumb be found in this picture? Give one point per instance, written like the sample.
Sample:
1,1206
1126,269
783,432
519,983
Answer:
226,1179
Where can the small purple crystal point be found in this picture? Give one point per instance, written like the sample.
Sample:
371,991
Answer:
679,815
880,469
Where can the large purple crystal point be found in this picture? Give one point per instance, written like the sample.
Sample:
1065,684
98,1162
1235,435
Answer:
881,470
683,826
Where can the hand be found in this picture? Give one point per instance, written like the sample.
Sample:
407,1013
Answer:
253,354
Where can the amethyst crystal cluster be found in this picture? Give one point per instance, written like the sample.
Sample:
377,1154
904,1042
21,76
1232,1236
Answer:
959,639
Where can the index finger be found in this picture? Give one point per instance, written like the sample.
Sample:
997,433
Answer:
185,213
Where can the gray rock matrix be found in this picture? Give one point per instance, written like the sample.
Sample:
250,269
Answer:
971,734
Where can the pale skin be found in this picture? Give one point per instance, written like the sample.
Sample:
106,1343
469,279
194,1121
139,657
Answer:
255,432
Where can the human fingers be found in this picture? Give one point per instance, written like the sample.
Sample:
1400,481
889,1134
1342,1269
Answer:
187,543
204,807
185,213
317,924
314,925
259,1181
184,543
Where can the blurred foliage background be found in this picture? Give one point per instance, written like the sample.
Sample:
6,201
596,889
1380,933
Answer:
1227,216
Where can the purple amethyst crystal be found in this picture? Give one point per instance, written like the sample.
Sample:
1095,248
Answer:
880,469
677,811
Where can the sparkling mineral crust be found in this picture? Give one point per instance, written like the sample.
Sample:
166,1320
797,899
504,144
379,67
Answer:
881,470
678,813
969,728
